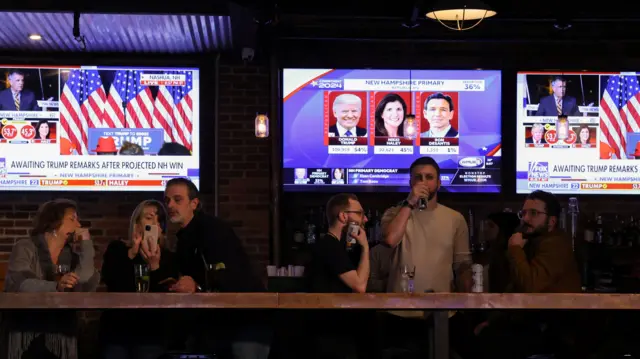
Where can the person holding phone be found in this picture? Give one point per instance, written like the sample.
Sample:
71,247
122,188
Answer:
120,334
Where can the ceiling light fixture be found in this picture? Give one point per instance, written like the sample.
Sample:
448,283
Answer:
459,11
35,37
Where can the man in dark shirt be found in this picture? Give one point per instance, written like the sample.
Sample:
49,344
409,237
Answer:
211,258
333,271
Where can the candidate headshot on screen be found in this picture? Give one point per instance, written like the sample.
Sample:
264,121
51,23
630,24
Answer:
584,135
300,173
537,135
438,110
562,129
347,108
42,130
16,97
558,103
389,116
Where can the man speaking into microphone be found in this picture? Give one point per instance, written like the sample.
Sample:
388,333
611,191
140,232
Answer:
16,97
540,253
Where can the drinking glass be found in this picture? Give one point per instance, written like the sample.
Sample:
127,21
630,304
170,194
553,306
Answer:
60,270
408,273
141,274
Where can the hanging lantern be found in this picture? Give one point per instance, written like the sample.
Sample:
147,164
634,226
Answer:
262,126
410,129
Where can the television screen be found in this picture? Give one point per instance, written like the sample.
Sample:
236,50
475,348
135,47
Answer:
578,132
361,129
97,128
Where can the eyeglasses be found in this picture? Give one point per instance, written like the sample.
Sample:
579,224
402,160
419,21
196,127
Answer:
531,212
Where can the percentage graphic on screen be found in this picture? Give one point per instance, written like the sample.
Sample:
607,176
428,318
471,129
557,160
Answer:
472,86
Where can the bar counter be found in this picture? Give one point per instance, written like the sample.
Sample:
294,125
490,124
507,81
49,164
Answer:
435,301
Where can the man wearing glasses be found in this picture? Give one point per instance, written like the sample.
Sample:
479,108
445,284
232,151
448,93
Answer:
334,270
541,256
541,261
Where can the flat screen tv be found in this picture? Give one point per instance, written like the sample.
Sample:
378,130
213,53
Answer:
578,132
360,130
97,128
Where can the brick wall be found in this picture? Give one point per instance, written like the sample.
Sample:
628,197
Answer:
243,174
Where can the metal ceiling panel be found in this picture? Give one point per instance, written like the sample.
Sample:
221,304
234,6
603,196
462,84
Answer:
126,33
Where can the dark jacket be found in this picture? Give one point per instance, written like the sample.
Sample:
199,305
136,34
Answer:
546,264
209,242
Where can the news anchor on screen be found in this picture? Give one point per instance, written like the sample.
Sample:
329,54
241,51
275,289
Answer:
537,135
16,98
347,108
558,103
389,116
438,110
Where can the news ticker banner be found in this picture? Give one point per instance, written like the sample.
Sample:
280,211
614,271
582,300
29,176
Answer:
38,115
588,110
596,177
393,145
129,173
472,170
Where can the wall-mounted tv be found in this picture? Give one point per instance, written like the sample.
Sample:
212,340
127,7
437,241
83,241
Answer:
360,130
97,128
578,132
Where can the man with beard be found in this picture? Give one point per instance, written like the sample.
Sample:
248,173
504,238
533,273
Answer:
541,261
334,270
433,240
210,257
541,255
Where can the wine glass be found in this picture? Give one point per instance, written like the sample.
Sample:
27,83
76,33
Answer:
141,274
60,270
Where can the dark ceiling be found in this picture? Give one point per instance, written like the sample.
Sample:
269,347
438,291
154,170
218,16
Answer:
358,20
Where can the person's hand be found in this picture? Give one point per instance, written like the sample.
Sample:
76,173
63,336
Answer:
478,329
419,190
361,237
135,246
67,281
516,240
151,257
185,284
82,234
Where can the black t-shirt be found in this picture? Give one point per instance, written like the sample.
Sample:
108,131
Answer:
330,259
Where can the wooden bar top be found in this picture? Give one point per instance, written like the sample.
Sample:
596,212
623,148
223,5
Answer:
103,300
389,301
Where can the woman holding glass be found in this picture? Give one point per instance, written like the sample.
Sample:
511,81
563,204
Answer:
58,257
140,264
390,115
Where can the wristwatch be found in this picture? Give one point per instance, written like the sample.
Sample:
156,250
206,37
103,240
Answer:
406,203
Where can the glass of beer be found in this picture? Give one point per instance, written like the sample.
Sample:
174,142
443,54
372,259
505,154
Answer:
141,274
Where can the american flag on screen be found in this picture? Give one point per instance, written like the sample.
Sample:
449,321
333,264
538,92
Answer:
81,107
173,110
619,112
130,104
